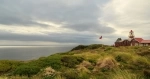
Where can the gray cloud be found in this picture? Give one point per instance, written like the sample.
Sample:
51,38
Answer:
51,37
11,20
79,15
93,27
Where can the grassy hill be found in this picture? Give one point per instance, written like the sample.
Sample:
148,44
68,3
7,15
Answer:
83,62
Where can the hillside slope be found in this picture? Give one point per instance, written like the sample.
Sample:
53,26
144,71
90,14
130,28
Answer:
84,62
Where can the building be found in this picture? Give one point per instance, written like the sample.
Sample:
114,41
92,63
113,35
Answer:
132,41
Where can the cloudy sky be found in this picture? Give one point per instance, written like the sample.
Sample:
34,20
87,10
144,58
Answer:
72,22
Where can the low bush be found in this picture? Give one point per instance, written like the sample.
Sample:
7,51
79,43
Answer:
4,68
146,73
108,49
94,46
141,62
92,61
123,57
26,70
83,75
71,61
70,74
79,47
143,53
7,66
54,61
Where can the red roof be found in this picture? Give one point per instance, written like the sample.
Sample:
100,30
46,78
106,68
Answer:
139,39
145,41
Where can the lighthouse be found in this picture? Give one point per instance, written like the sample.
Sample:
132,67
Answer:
131,34
132,41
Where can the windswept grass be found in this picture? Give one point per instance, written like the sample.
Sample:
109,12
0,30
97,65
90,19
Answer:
124,74
84,62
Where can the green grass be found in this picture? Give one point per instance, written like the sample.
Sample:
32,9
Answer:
109,62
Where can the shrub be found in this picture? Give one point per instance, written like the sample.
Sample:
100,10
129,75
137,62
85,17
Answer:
123,57
71,61
136,47
94,46
4,68
26,70
54,61
107,49
70,74
92,61
7,66
141,62
145,52
83,75
79,47
146,73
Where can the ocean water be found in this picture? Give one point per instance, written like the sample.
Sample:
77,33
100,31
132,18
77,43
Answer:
29,52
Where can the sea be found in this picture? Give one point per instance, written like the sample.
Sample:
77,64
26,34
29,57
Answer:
24,53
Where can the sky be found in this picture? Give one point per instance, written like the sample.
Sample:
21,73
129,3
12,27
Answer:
72,22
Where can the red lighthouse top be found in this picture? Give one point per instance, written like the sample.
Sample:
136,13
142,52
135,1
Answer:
131,34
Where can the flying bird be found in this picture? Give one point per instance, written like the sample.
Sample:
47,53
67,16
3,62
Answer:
100,37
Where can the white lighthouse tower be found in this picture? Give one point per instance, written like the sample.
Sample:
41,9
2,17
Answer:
131,34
